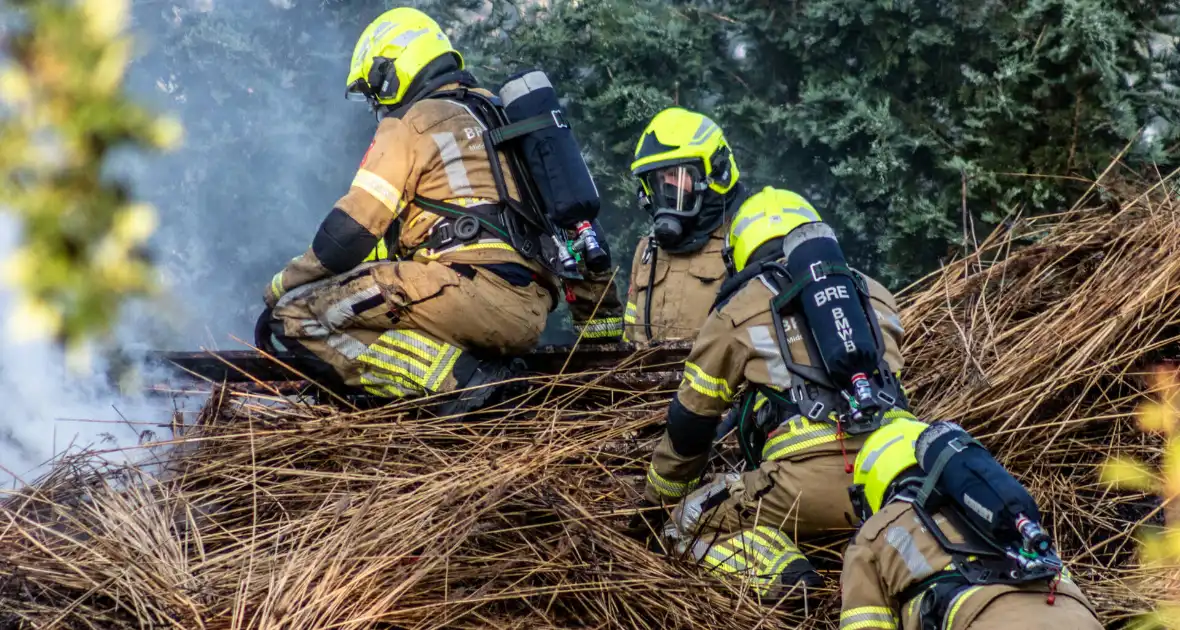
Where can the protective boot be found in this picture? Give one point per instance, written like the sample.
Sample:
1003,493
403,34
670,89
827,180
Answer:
797,585
481,378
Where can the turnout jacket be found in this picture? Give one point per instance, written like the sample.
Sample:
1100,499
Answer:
433,150
893,551
681,291
736,346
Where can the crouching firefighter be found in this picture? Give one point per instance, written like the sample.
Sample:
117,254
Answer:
799,329
950,541
448,251
690,186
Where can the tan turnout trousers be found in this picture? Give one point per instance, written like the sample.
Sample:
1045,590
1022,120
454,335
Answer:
746,523
397,329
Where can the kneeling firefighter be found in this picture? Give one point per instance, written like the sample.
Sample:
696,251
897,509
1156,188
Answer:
451,239
950,541
689,184
799,328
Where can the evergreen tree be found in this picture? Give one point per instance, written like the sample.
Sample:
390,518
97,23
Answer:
881,112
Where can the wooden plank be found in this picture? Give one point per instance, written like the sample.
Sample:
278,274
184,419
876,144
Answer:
238,366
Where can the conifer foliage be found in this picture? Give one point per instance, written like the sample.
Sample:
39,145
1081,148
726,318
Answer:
882,112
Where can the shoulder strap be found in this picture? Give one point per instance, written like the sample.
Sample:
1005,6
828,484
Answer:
512,131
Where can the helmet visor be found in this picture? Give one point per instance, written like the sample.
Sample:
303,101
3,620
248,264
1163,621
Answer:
357,91
676,189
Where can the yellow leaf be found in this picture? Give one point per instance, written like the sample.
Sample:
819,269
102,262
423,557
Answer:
112,64
18,268
14,86
1155,417
167,133
33,320
135,223
1171,467
106,18
1128,474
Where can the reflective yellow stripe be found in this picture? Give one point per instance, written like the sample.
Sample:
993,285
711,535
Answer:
598,328
380,189
861,610
706,384
673,489
913,605
809,435
958,603
380,252
276,284
632,314
435,254
408,361
470,202
867,617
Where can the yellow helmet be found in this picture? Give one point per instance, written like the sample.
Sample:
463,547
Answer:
887,453
679,156
765,216
392,51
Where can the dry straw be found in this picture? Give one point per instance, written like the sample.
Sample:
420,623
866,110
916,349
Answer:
273,514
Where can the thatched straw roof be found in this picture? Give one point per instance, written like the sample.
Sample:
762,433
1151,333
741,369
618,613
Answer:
273,514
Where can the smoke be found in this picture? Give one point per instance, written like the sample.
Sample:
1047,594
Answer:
270,145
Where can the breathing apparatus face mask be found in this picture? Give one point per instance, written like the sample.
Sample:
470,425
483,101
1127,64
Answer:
674,196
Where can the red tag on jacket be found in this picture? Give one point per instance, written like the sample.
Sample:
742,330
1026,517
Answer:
368,151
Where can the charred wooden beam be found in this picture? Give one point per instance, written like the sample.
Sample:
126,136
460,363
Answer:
242,366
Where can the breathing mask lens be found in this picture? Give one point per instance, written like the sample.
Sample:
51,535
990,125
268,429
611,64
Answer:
676,190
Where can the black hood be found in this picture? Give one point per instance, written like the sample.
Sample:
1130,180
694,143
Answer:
442,71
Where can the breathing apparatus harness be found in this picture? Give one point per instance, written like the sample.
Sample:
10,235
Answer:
529,225
651,254
1003,539
813,393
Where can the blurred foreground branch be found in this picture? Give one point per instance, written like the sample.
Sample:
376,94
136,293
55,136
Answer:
64,111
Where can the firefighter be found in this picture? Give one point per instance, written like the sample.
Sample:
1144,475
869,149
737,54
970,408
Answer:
798,466
689,185
897,573
411,286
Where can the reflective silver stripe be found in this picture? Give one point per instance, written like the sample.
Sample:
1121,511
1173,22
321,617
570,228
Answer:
703,132
452,159
443,368
383,381
904,544
341,311
347,345
875,454
766,346
601,327
674,489
535,80
891,322
707,384
725,558
867,617
405,38
394,339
